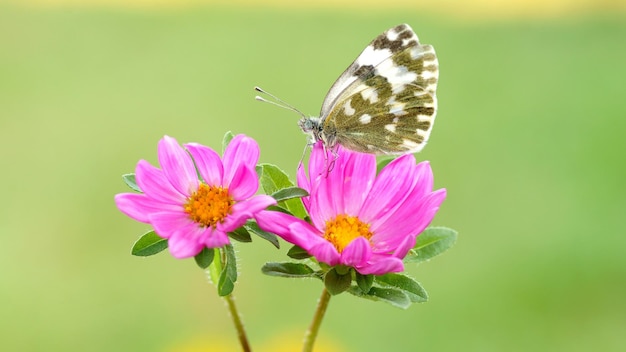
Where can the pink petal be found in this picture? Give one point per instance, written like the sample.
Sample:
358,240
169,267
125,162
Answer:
309,238
167,223
405,246
242,211
325,252
208,163
154,184
358,177
300,233
139,206
185,243
303,182
330,191
390,187
432,203
381,266
177,166
216,239
275,222
410,218
281,224
424,174
318,162
326,200
357,253
241,151
244,184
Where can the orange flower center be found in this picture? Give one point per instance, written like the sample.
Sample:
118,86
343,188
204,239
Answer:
341,230
209,205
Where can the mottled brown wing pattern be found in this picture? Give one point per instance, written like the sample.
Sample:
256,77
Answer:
389,107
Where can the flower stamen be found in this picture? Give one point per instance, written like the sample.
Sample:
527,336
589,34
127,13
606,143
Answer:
209,205
341,230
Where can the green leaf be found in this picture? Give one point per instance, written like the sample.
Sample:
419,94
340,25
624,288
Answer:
412,288
254,228
225,285
228,136
336,283
280,209
287,269
364,281
148,244
289,193
392,296
430,243
382,163
296,252
131,182
228,276
241,235
273,179
205,258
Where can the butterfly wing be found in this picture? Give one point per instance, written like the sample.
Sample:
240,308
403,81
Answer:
385,102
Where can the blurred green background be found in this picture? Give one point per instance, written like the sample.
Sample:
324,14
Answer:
529,142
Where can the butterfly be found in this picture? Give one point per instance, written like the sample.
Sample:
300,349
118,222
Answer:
384,102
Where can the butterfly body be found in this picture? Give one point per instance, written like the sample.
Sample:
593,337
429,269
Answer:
385,101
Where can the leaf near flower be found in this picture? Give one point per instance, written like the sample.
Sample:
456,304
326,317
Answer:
296,252
287,269
430,243
364,282
381,163
254,228
228,276
130,181
273,180
289,193
149,244
228,136
205,257
395,297
413,289
241,234
337,283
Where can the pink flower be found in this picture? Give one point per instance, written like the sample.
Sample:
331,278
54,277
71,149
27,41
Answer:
193,213
360,219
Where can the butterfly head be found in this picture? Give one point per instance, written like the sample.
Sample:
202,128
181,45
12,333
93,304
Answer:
313,126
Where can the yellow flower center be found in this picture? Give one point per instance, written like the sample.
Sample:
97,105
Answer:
209,205
341,230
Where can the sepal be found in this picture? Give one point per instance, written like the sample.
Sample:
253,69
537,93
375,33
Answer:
205,257
337,282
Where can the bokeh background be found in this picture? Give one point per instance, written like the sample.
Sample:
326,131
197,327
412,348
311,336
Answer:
529,142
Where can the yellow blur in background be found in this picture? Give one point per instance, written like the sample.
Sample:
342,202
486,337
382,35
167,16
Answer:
467,10
528,142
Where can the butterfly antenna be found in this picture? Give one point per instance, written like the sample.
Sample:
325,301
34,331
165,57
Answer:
277,101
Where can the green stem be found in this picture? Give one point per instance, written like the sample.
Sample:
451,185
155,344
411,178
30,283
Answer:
311,333
234,314
214,273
